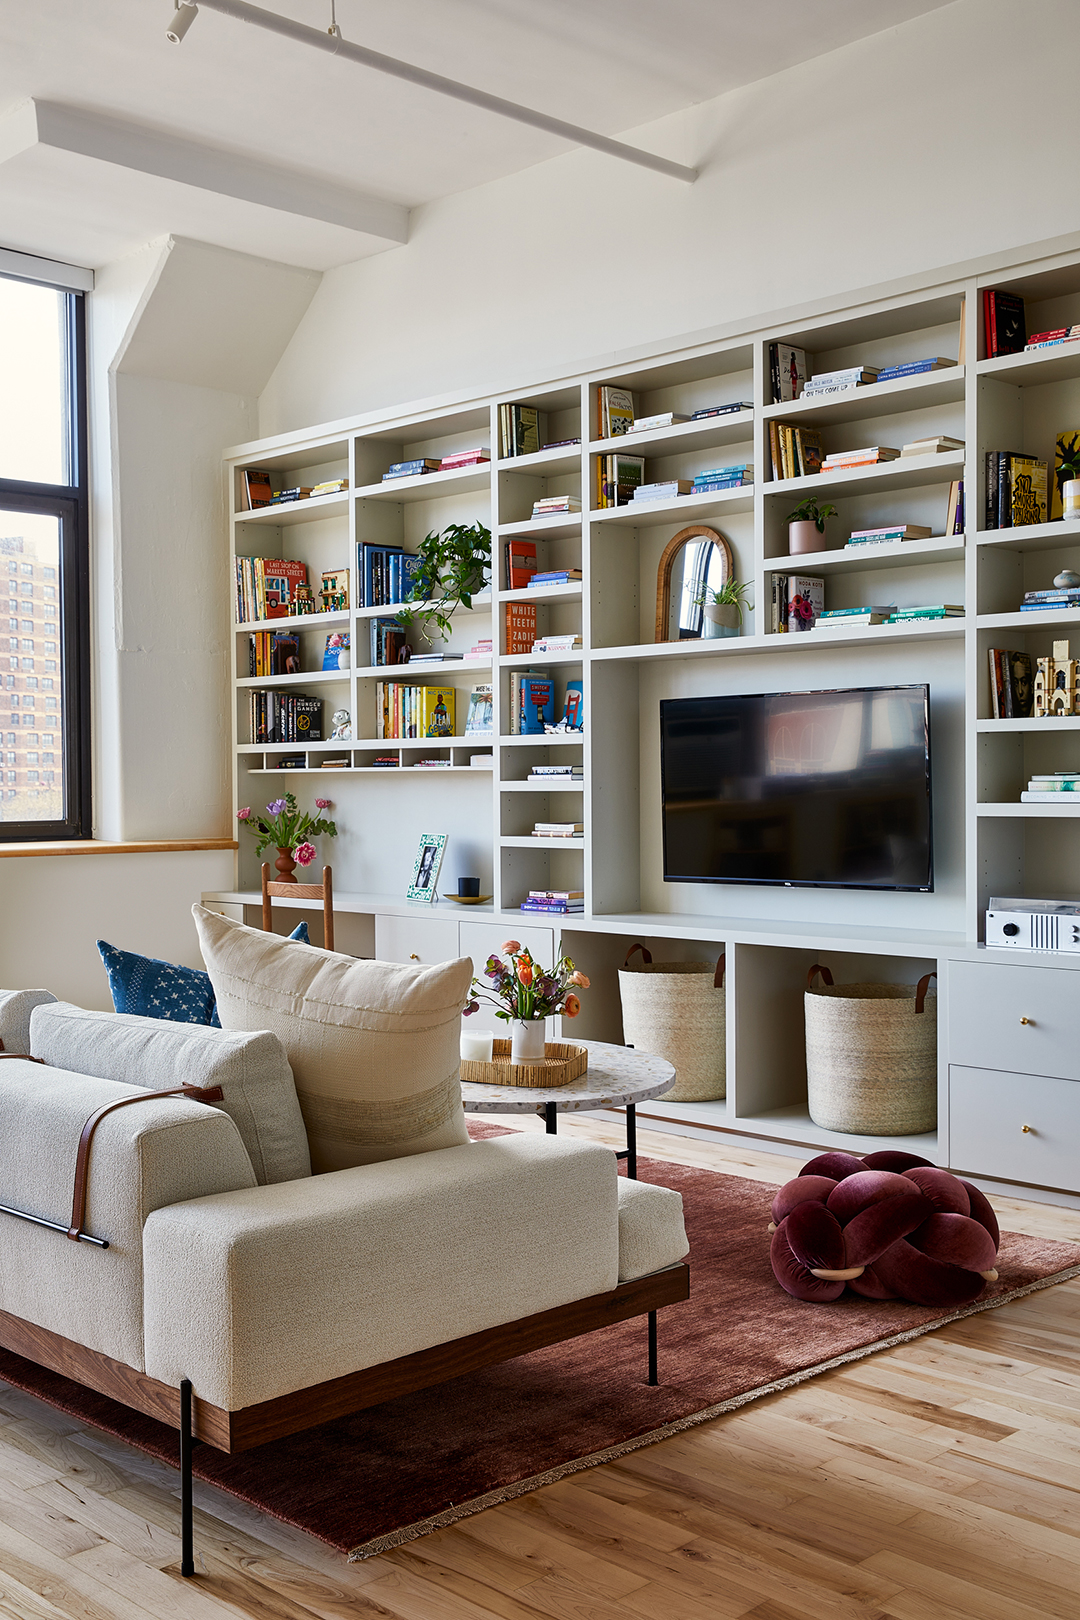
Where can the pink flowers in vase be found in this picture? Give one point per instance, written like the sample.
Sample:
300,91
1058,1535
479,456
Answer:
283,825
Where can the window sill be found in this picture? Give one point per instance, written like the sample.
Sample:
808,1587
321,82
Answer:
94,846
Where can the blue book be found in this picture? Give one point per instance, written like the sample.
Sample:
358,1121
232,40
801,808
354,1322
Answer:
537,704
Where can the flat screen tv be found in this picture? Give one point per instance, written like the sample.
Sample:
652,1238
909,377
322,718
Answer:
825,790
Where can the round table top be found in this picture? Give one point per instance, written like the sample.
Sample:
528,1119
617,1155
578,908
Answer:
616,1075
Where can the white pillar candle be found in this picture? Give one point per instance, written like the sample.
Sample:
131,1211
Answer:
476,1045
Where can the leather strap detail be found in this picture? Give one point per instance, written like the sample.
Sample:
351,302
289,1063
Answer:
203,1094
718,976
646,956
24,1057
920,991
818,967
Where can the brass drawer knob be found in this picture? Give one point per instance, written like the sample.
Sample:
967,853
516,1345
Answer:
1025,1020
414,958
1026,1130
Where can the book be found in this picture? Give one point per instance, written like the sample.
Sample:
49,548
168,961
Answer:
519,557
1003,322
1030,797
437,711
869,455
937,445
560,576
556,770
552,504
642,424
479,721
615,411
560,444
519,625
464,458
257,488
412,469
1019,691
721,410
332,486
522,429
557,908
860,373
620,475
537,704
664,492
787,371
282,497
1066,468
892,531
833,614
574,706
954,515
853,620
805,600
912,368
1027,491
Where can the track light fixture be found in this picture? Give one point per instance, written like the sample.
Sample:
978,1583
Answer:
186,12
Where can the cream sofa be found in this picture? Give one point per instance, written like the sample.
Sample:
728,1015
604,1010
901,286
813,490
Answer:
241,1298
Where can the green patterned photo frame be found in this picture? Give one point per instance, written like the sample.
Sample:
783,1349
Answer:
426,867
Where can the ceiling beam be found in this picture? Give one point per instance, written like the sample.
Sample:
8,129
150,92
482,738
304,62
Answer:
135,146
334,45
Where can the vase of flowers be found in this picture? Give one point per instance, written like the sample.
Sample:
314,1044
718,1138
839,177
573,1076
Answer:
288,829
524,994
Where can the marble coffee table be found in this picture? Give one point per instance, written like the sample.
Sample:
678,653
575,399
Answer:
617,1077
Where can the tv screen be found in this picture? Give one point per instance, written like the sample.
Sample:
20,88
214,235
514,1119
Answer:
804,789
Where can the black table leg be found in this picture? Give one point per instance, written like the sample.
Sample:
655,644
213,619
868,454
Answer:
551,1116
631,1141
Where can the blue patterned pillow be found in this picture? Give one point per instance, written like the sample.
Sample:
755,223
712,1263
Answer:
153,989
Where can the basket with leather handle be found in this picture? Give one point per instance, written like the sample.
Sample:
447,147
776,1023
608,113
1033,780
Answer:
675,1010
871,1056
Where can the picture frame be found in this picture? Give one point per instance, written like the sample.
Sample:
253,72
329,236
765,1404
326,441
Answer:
425,878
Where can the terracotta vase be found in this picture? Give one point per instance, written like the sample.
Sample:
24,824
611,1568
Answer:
286,867
805,536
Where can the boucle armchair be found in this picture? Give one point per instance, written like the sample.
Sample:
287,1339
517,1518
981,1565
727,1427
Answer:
241,1298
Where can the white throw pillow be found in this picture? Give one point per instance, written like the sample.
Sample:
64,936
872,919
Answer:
373,1045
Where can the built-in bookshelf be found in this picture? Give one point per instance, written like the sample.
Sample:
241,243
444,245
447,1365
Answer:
986,840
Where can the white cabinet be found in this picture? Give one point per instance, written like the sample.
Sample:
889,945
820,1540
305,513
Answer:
1006,1016
416,939
1016,1127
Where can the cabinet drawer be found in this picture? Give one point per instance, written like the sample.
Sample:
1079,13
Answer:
988,1111
1018,1018
416,939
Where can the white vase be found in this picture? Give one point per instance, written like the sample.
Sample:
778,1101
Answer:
526,1040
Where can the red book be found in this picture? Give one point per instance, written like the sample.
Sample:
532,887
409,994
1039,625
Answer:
520,563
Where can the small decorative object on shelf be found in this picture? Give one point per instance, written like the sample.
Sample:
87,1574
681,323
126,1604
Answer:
721,610
806,526
451,568
335,590
1067,580
337,654
694,557
1071,500
341,721
288,829
425,878
304,600
1066,469
524,994
1057,684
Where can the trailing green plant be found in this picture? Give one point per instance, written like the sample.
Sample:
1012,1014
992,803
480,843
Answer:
811,512
732,593
453,566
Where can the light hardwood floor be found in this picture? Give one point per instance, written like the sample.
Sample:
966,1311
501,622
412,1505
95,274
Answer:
936,1481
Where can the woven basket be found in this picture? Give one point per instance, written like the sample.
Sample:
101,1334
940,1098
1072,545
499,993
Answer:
871,1056
675,1010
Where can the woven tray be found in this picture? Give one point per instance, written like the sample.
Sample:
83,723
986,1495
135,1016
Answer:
561,1064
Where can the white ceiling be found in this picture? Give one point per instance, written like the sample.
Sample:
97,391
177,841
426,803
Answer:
610,65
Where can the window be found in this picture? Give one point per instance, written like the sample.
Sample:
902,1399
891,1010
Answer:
43,548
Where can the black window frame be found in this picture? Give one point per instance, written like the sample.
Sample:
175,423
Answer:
70,504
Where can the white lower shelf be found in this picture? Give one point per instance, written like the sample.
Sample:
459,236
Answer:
792,1124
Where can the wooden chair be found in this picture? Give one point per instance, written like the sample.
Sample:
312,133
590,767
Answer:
323,891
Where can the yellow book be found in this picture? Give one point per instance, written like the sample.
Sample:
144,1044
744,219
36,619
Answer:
437,711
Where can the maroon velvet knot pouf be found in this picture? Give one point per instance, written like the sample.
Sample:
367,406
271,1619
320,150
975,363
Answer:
889,1226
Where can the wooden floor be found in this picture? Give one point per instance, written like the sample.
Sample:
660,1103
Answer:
935,1481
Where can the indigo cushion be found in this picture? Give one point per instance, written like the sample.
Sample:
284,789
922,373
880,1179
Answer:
154,989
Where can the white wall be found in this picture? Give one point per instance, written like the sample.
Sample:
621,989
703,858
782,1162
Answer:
930,144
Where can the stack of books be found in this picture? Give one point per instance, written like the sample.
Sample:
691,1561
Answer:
519,557
839,382
1049,789
428,660
520,627
431,764
936,610
796,451
522,429
717,478
560,901
871,456
480,651
1050,340
912,368
855,618
549,505
416,468
722,410
617,477
301,492
614,411
555,576
532,702
938,444
464,458
662,492
663,419
332,486
558,829
1012,696
1066,596
1015,490
555,775
890,535
551,644
385,760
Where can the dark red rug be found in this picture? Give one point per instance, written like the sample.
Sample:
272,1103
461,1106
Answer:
398,1471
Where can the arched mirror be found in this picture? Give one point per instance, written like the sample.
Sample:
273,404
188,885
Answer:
693,559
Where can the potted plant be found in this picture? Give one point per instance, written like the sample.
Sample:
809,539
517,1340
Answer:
288,829
721,610
806,526
524,994
452,567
